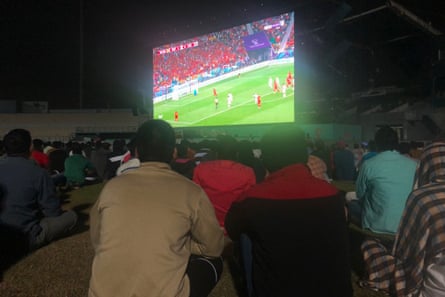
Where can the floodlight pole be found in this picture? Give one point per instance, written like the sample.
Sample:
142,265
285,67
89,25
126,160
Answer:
81,58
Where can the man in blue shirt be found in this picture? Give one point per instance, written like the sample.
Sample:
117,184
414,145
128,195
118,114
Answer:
383,185
30,204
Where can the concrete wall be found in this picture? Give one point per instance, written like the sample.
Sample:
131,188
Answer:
63,126
419,123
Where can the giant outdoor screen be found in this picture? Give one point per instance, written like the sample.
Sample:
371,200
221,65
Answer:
238,76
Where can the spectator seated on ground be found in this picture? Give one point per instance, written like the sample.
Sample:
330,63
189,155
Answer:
154,231
205,150
383,185
358,152
371,151
30,204
56,163
224,180
78,168
99,157
115,158
344,168
182,163
37,153
291,228
14,242
247,157
129,160
318,167
320,151
415,265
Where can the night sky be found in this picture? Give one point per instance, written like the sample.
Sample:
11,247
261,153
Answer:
43,42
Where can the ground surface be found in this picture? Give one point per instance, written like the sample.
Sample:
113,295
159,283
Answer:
62,269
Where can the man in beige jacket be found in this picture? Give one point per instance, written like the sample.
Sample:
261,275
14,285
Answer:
154,231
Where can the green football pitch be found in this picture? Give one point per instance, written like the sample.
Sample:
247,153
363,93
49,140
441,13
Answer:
200,110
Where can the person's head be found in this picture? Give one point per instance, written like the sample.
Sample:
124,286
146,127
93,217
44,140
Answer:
283,146
17,143
227,148
386,139
341,145
37,145
76,148
155,141
431,166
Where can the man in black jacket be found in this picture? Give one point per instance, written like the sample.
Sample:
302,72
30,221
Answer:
296,225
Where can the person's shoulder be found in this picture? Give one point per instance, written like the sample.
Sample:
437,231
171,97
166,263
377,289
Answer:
396,156
243,170
21,162
237,165
376,161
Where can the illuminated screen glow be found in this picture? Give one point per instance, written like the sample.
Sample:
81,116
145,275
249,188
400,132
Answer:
238,76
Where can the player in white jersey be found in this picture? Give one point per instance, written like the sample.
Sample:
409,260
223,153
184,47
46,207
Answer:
229,100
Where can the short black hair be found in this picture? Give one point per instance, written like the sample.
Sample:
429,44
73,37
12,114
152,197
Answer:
155,141
76,148
17,142
386,139
282,146
37,144
227,148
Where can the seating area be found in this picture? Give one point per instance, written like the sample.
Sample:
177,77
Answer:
63,267
62,126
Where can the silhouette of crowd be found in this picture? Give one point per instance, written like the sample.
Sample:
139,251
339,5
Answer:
170,210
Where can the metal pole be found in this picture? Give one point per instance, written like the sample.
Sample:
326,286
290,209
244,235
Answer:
348,19
402,11
81,58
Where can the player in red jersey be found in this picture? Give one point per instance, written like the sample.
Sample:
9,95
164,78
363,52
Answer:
258,101
275,86
176,116
289,80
